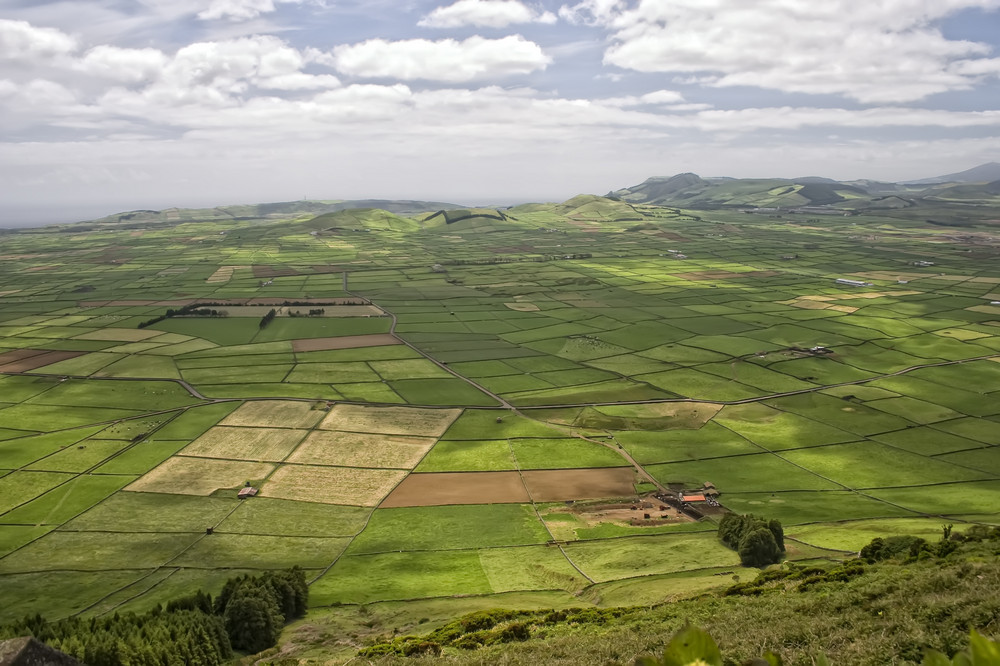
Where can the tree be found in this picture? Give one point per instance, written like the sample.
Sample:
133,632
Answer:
759,548
252,618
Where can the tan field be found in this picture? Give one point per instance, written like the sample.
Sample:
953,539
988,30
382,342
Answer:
345,342
270,444
348,449
332,485
197,476
275,414
390,420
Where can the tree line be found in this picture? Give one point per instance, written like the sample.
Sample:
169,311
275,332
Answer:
247,616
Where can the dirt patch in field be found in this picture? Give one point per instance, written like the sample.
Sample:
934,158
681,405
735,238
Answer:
442,488
345,342
390,420
697,276
560,485
273,271
351,449
332,485
260,444
26,360
522,307
197,476
275,414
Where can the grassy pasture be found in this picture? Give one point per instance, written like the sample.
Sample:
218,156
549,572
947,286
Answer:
710,441
90,551
563,454
468,456
23,451
449,528
154,512
277,517
79,458
66,501
412,575
748,473
257,551
614,559
812,506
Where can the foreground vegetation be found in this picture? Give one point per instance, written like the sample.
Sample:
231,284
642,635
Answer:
893,611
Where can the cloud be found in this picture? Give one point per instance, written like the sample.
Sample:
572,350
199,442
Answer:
19,40
240,10
592,12
124,65
485,13
882,52
445,60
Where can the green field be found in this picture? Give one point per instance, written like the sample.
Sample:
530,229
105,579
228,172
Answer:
560,354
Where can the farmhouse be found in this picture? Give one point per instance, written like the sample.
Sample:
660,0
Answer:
246,492
853,283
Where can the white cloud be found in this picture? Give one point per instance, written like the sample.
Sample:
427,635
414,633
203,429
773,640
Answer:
125,65
19,40
485,13
873,52
592,12
240,10
444,60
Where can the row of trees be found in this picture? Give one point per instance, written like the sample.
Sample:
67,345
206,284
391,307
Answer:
268,318
759,542
247,615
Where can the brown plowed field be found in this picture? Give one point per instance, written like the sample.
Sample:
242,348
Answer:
550,485
438,489
345,342
26,360
559,485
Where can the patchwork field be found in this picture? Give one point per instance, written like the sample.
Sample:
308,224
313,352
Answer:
482,408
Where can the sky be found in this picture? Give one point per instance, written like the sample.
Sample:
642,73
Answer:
112,105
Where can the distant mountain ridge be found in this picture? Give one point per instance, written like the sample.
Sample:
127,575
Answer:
272,210
979,185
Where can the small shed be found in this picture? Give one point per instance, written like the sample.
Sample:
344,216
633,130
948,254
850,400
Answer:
246,492
693,497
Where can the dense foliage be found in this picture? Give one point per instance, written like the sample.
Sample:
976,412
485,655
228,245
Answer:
758,541
247,615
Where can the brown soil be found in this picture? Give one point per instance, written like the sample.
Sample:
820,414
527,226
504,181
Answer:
441,488
559,485
555,485
345,342
26,360
272,271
